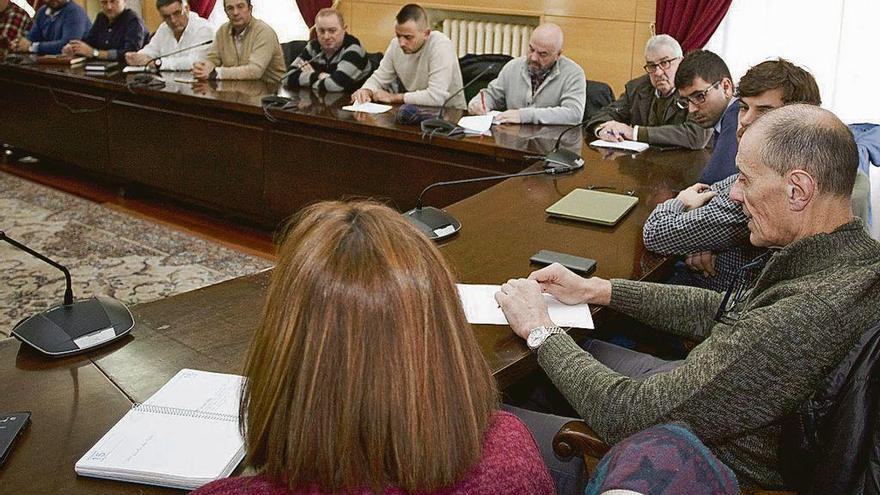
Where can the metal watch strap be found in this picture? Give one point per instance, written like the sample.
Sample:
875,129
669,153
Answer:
547,331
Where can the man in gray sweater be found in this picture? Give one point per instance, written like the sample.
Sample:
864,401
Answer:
767,344
543,87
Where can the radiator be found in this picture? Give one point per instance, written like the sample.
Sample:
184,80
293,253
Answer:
479,37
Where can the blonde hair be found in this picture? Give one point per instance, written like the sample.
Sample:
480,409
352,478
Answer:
364,371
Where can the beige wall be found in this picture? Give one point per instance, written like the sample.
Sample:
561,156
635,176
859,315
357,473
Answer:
606,38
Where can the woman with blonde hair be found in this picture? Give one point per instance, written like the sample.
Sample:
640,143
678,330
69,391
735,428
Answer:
364,375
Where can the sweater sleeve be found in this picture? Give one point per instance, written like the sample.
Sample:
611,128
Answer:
349,71
214,52
297,77
259,59
494,91
741,380
441,69
618,110
678,309
719,224
384,75
571,106
688,135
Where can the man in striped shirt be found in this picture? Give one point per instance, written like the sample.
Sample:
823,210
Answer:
14,23
335,61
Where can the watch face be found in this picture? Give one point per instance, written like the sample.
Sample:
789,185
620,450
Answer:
537,337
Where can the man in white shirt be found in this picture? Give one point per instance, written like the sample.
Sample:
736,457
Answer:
419,67
180,29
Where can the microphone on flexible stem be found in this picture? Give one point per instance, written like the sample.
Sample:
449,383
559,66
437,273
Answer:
71,327
563,158
278,100
148,79
438,224
438,125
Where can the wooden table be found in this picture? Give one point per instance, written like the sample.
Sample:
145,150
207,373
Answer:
211,144
210,328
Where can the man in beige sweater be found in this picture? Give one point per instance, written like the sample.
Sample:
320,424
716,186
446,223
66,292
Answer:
419,67
243,48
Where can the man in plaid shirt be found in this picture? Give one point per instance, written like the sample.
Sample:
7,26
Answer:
14,23
702,223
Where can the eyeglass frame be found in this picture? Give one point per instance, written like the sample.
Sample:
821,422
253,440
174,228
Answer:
653,65
740,286
697,98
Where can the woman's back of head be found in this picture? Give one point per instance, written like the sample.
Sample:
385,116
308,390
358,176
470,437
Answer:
364,371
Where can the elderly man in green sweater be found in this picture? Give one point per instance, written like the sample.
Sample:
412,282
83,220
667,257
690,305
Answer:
767,344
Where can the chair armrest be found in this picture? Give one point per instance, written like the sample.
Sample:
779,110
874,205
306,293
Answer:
576,438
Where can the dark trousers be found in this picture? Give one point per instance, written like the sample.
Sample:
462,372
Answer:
543,409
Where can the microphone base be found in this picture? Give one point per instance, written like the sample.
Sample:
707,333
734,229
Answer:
275,100
438,126
433,222
82,326
563,159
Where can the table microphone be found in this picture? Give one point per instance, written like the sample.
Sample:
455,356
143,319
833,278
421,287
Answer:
438,224
439,126
563,158
72,326
278,100
157,61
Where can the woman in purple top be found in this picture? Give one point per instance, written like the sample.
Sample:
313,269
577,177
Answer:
364,375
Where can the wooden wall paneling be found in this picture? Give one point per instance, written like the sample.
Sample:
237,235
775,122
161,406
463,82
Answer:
603,48
646,10
373,24
151,16
621,10
640,38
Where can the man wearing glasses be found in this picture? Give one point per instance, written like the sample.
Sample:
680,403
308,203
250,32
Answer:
180,29
705,88
647,110
765,347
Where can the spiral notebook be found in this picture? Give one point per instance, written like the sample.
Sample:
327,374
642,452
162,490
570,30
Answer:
183,436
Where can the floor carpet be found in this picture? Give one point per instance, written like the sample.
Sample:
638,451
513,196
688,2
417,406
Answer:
107,252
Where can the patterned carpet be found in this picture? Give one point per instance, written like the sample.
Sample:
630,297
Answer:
107,252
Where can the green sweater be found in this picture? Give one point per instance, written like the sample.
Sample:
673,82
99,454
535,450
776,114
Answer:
807,309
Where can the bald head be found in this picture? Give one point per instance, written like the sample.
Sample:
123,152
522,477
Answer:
545,47
808,138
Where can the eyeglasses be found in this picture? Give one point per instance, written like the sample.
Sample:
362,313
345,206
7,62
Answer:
697,98
738,290
664,64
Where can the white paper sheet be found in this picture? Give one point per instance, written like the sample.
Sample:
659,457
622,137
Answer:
622,145
480,307
367,107
477,124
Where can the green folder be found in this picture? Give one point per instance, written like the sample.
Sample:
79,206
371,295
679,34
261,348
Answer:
593,206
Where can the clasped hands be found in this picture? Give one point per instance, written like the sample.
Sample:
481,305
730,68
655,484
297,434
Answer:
692,198
77,47
523,304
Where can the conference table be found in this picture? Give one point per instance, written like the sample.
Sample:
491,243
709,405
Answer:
214,144
76,400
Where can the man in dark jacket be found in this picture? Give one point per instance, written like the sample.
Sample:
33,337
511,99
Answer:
646,111
117,30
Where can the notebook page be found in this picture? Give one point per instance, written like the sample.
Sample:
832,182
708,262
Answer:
480,307
200,391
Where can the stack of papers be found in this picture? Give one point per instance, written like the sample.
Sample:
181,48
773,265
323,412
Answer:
184,436
622,145
481,308
367,107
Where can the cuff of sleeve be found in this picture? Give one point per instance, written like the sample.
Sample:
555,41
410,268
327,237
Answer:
218,73
554,346
626,296
640,133
35,46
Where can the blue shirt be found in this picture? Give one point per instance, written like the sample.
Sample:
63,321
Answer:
722,163
52,32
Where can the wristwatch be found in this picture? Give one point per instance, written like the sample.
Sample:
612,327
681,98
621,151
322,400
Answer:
540,334
95,53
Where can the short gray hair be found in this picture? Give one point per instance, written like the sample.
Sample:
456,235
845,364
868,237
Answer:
806,137
659,41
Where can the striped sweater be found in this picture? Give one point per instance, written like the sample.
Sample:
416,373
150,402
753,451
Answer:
347,69
806,310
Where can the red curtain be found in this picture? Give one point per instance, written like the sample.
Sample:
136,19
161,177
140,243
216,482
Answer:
691,22
308,9
202,7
